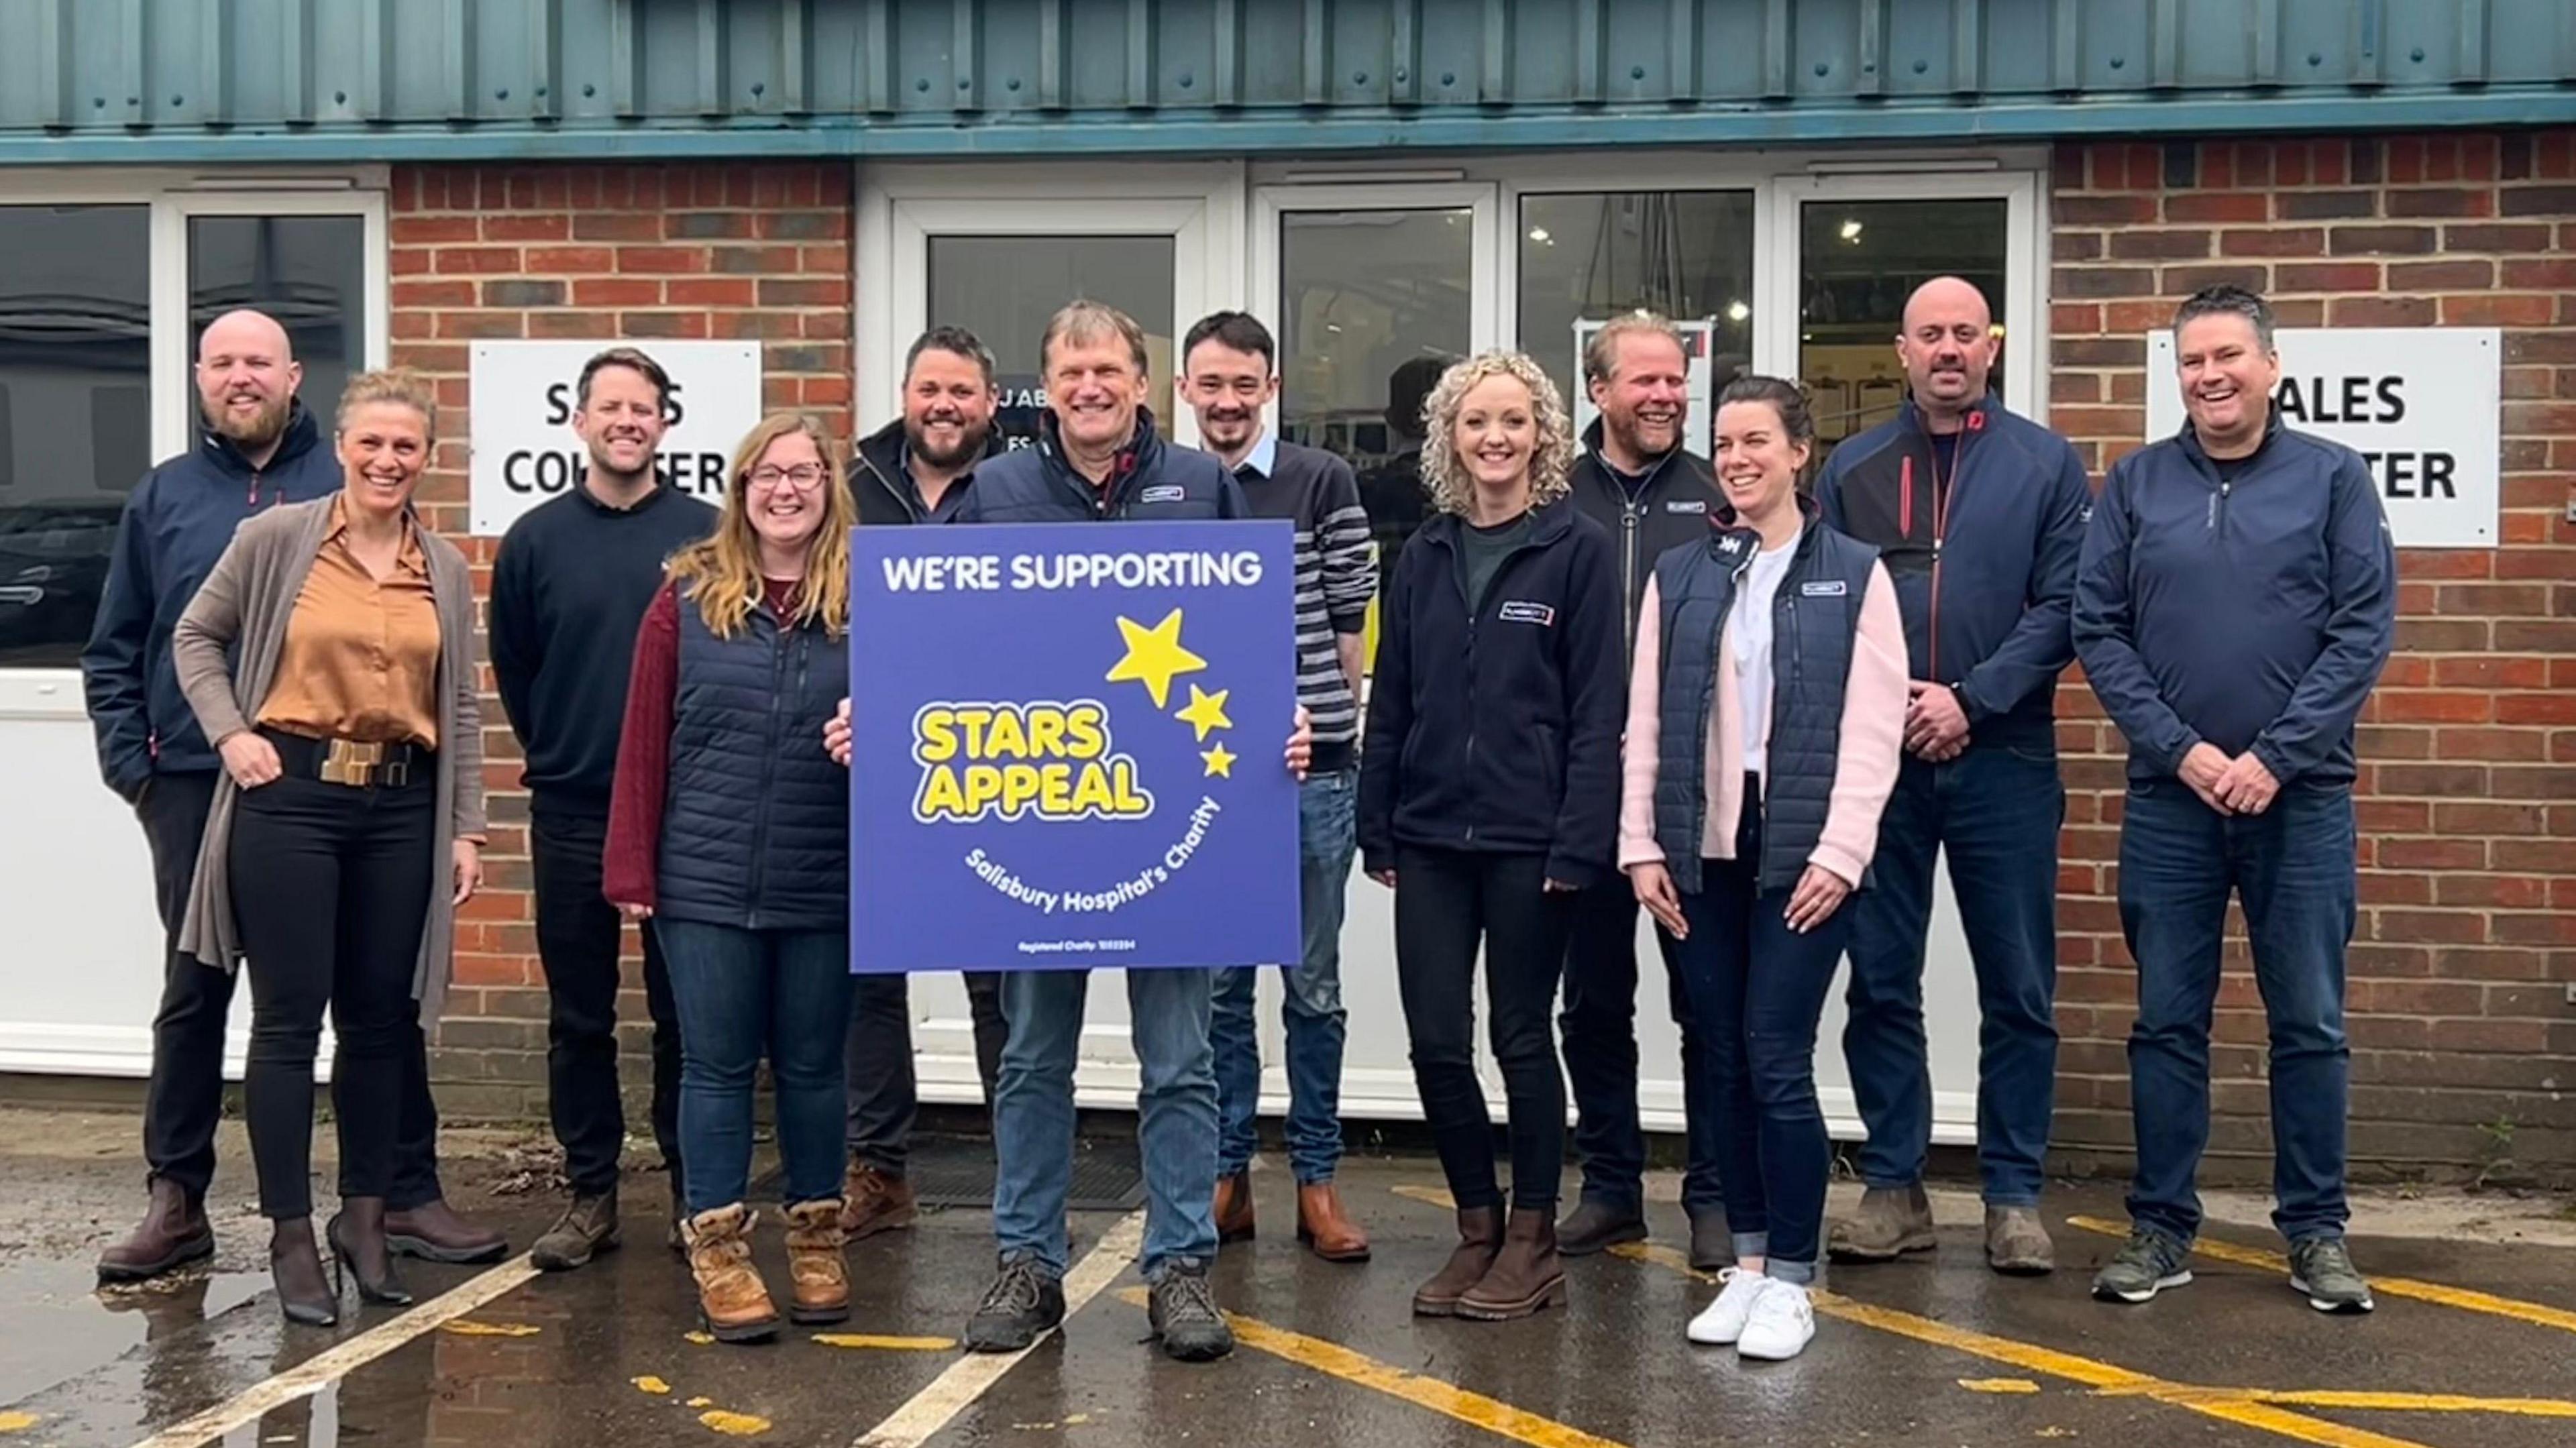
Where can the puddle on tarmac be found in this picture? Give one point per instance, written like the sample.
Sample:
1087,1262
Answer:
308,1422
63,1324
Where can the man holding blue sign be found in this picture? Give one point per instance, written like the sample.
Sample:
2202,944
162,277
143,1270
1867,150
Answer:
1070,798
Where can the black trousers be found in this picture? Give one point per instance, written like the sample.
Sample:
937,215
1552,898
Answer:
883,1095
331,888
185,1097
1447,903
579,938
1599,1024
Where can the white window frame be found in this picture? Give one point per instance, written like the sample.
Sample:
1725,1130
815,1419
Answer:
1200,207
173,198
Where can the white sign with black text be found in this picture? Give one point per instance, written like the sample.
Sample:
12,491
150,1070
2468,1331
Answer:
522,398
2422,405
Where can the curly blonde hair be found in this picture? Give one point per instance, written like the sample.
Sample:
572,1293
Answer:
1445,479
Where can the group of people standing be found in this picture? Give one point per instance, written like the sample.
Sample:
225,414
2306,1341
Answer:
1767,702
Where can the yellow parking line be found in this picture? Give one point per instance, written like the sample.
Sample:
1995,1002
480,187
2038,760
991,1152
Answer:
2031,1357
2460,1297
1446,1399
1428,1196
2375,1402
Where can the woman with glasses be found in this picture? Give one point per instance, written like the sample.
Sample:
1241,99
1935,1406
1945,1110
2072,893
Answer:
728,830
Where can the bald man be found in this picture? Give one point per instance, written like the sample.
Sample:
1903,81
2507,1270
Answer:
1979,515
258,448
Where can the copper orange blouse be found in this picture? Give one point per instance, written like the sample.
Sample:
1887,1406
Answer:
360,660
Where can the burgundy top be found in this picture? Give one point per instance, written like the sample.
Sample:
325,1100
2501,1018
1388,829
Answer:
630,868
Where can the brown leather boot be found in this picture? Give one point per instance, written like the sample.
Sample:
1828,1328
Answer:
818,1274
1526,1276
732,1300
1323,1227
875,1201
174,1232
1480,1236
434,1232
1234,1208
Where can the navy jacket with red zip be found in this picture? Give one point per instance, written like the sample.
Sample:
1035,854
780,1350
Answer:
1983,558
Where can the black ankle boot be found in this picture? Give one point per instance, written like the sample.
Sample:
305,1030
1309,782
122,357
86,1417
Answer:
357,1236
293,1263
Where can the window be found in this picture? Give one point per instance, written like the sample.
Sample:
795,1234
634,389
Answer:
1005,289
101,301
75,413
1589,256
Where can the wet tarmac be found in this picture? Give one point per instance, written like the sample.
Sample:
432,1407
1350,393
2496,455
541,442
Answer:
2474,1343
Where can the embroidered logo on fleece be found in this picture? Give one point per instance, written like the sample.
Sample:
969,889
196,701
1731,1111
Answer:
1686,505
1163,493
1521,611
1831,588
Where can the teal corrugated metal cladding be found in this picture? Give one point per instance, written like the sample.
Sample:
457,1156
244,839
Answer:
202,80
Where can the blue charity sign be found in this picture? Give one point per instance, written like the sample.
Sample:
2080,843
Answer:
1067,746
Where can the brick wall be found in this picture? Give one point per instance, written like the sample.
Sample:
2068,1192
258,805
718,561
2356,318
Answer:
635,253
2466,949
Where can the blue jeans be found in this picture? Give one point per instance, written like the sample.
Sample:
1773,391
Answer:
1175,1106
740,993
1312,1013
2293,867
1758,989
1996,811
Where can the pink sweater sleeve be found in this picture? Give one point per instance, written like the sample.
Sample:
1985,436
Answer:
1637,757
1873,734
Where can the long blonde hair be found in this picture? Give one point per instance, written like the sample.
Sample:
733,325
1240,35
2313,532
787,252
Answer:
721,572
1446,480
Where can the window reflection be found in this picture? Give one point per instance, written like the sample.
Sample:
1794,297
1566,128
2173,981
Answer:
75,414
1004,289
309,272
1858,262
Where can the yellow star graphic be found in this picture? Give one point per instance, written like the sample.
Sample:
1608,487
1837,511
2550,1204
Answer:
1154,655
1206,711
1219,761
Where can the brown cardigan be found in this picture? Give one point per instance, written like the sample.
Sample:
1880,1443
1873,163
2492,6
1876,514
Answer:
248,599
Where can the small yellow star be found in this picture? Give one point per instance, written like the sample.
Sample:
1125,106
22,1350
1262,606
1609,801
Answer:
1220,762
1154,655
1206,711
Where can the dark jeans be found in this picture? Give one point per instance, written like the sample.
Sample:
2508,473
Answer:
1600,1026
1995,811
742,994
1759,990
579,937
1447,902
186,1095
882,1095
2292,867
1311,1014
331,889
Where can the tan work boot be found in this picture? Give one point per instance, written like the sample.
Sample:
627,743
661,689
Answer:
875,1201
1325,1228
2017,1242
1527,1274
1480,1237
821,1279
1234,1208
1891,1221
733,1302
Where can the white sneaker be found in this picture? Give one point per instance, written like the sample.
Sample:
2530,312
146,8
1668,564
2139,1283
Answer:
1782,1323
1722,1321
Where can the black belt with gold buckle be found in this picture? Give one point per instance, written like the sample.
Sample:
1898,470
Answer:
352,762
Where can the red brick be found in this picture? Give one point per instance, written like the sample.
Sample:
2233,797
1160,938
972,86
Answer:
616,292
2441,276
570,260
428,230
710,292
2499,311
2327,276
484,260
2282,241
662,259
527,228
2382,312
2217,206
2159,245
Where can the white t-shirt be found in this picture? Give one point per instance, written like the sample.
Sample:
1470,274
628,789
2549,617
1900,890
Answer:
1748,633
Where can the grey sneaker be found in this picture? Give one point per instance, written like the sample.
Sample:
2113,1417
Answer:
1022,1305
2146,1266
2322,1268
2017,1242
1891,1221
1184,1315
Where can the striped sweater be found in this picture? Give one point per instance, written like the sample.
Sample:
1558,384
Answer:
1336,579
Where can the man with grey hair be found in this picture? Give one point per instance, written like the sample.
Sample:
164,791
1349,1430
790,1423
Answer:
2235,604
1639,480
258,447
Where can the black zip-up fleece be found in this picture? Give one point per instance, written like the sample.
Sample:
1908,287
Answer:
1673,508
1499,732
884,492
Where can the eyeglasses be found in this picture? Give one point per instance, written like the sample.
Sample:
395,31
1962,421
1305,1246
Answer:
804,477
